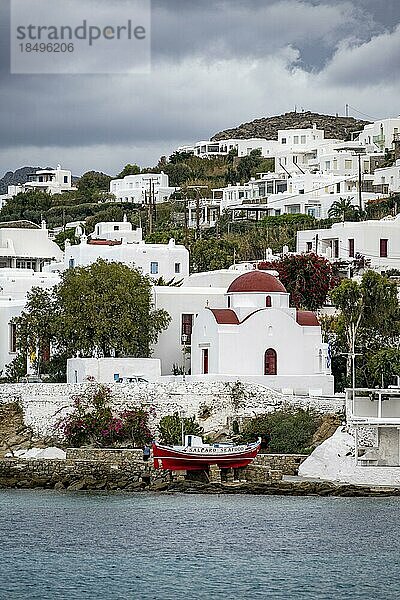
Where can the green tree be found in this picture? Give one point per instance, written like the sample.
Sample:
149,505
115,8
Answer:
384,366
31,205
170,428
93,183
211,254
344,210
63,236
369,315
36,328
129,170
104,310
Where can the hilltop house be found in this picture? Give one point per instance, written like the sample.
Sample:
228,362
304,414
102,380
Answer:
142,189
51,181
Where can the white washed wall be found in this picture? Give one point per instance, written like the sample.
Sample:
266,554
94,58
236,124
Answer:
45,404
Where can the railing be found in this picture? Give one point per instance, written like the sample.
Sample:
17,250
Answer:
373,406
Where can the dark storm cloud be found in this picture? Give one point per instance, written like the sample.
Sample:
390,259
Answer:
215,63
229,28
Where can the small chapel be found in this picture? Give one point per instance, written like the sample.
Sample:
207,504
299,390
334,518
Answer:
259,336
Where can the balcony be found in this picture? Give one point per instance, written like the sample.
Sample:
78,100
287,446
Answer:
374,407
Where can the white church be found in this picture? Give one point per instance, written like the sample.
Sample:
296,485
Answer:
260,337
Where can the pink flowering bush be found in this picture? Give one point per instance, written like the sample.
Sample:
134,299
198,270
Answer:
92,422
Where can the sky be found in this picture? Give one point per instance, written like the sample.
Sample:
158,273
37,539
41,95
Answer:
214,64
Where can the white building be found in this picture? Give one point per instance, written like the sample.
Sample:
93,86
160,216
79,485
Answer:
254,192
27,247
377,412
388,178
314,194
380,133
51,181
378,241
243,147
120,242
258,335
142,189
14,285
183,304
24,254
109,370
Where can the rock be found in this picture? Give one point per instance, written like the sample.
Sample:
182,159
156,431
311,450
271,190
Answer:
159,486
122,483
134,487
76,486
59,486
100,485
327,428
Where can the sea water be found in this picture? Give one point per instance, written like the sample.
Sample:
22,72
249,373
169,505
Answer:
85,545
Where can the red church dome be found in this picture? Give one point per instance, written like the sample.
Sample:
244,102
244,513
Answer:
256,281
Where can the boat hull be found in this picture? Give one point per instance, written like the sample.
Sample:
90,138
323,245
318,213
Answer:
195,459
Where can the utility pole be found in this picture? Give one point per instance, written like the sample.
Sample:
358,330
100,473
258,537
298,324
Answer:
197,189
347,110
197,215
359,183
186,218
150,207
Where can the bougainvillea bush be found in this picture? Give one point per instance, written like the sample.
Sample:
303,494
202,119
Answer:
93,422
307,277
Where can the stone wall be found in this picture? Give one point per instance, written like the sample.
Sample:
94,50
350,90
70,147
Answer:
288,464
106,455
214,403
80,474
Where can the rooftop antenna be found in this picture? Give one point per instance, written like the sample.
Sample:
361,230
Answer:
347,110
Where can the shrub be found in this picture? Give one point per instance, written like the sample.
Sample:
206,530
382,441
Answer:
92,422
136,426
170,428
289,431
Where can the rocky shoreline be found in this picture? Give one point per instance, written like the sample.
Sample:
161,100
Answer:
128,483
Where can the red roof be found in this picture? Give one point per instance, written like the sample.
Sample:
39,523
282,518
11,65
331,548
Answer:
307,318
104,242
256,281
225,316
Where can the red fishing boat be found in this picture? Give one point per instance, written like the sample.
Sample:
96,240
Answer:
194,455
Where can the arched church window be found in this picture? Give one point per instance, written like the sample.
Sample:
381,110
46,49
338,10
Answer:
270,362
268,301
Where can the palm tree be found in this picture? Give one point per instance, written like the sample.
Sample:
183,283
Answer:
344,210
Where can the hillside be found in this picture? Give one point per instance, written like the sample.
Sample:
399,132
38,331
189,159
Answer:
267,127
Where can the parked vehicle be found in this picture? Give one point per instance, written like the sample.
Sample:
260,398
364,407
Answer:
133,379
